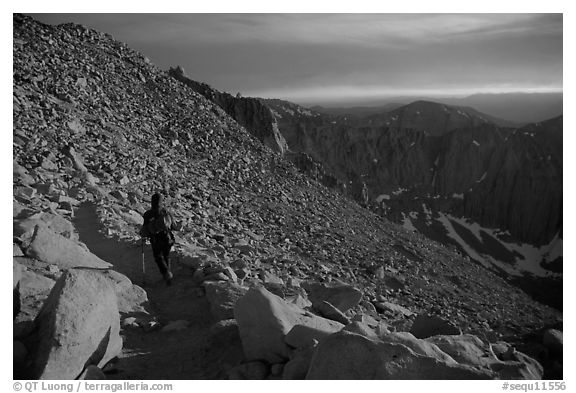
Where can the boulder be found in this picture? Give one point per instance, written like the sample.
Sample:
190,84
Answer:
393,308
297,366
365,319
16,250
34,289
35,285
77,326
420,347
553,340
361,329
227,270
270,278
298,300
346,355
301,336
222,296
340,295
53,248
53,222
521,366
264,319
327,310
131,298
465,348
426,325
20,173
469,350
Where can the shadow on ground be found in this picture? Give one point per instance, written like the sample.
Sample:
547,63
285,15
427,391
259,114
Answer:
184,354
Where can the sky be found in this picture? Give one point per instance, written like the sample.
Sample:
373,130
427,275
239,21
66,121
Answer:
332,59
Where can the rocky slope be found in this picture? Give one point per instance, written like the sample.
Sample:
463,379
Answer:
248,112
98,129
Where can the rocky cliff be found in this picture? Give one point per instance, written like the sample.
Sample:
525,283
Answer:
248,112
263,254
508,178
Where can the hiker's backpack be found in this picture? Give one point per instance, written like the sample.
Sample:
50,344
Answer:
160,223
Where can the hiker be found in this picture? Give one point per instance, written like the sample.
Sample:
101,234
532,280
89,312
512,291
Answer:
158,226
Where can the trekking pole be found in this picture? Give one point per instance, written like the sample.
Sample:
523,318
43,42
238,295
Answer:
143,265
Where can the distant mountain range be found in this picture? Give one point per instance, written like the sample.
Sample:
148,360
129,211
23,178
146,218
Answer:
515,108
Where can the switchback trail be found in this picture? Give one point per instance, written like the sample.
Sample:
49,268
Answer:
180,354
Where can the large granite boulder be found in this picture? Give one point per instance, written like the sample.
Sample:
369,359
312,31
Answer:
347,355
264,319
78,326
470,350
131,297
53,248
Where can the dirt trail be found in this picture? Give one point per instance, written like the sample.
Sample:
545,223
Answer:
182,354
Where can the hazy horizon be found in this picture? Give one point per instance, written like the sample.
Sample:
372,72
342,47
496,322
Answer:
347,59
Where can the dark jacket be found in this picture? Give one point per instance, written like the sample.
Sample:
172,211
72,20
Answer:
148,215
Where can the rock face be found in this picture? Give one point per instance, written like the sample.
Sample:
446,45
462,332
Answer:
264,319
436,149
248,112
351,356
78,326
347,355
53,248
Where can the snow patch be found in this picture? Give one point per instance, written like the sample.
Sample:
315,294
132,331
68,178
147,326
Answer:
407,223
529,256
428,214
454,236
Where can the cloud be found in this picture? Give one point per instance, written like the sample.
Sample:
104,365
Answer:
302,56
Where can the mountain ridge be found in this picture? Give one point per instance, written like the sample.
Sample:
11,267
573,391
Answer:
516,107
